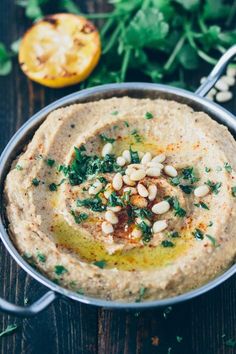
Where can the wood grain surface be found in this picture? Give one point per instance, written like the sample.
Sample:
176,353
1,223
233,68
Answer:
68,327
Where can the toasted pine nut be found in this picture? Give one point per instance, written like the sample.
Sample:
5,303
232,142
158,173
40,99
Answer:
146,158
137,175
159,226
107,149
95,187
231,71
117,182
131,190
135,166
161,207
152,192
140,154
107,228
155,164
128,181
142,190
224,96
159,158
126,155
121,161
229,80
111,217
138,201
115,209
170,171
201,191
221,85
136,233
153,172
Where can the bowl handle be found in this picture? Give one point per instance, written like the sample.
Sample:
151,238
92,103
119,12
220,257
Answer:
31,310
216,72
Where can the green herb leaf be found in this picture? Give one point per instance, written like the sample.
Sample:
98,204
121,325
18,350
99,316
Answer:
174,234
106,139
10,328
60,269
201,205
190,174
69,6
198,234
114,113
174,203
52,187
186,189
215,187
138,138
227,167
35,182
95,204
207,169
167,243
175,181
148,115
41,257
100,264
142,292
79,217
19,168
233,191
5,61
146,232
50,162
213,240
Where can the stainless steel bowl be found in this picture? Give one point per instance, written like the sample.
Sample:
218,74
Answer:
138,90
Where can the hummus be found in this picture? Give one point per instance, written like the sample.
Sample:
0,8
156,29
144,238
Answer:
126,199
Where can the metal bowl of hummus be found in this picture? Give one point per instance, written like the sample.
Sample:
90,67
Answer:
123,196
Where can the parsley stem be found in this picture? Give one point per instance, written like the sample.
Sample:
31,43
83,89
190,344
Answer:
206,57
175,52
106,27
102,15
125,64
112,39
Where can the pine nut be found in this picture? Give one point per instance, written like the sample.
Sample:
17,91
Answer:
137,175
128,181
135,166
126,155
121,161
95,187
201,191
224,96
131,190
155,164
107,228
136,233
153,172
161,208
139,221
231,71
170,171
111,217
115,209
152,192
138,201
221,85
142,190
229,80
117,182
129,170
107,149
140,154
146,158
159,226
159,158
108,190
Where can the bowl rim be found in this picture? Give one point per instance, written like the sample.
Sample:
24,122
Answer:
225,118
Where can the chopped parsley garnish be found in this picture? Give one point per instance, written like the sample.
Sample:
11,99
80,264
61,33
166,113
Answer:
201,205
95,204
19,168
207,169
106,139
174,203
142,292
148,115
80,291
10,328
198,234
138,138
142,213
35,182
146,232
210,224
65,169
50,162
167,243
174,234
215,187
126,124
228,167
175,181
114,113
179,339
41,257
233,191
114,200
60,269
186,189
102,179
100,264
190,174
52,187
126,197
213,240
134,156
79,217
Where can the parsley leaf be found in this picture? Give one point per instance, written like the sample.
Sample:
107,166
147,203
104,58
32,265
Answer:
106,139
215,187
167,243
35,182
41,257
233,191
134,156
10,328
60,269
95,204
148,115
198,234
227,167
190,174
142,292
186,189
100,264
201,205
146,231
79,217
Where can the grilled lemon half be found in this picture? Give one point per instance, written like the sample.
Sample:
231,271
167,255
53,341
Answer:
60,50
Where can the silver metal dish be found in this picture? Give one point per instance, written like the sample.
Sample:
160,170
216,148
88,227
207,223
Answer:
139,90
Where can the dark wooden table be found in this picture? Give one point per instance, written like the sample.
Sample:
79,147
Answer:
68,327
